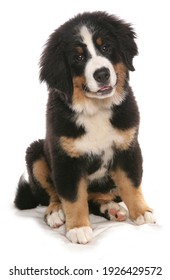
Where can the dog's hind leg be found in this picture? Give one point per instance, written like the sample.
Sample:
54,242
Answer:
107,206
54,215
38,189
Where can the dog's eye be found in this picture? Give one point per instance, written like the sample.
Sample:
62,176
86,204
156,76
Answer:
79,58
106,48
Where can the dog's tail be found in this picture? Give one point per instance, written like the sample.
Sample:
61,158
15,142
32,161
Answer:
30,192
25,198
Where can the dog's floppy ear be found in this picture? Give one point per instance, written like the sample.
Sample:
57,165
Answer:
54,67
125,36
128,45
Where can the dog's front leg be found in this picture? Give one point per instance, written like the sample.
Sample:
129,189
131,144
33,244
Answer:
71,187
127,177
77,216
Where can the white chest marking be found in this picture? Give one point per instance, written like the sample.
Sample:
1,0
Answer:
99,133
100,137
98,140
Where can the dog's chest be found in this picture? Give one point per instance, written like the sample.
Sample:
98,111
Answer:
98,140
99,133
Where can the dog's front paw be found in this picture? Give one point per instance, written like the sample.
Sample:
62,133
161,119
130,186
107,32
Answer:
147,218
81,235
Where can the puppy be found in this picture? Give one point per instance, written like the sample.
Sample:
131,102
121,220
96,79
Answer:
90,158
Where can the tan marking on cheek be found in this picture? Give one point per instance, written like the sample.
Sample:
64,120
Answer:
99,41
79,81
41,173
68,145
80,101
124,138
132,196
78,93
121,72
77,213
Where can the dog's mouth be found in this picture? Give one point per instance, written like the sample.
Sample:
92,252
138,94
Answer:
103,92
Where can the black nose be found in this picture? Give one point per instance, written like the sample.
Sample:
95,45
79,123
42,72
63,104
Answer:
102,75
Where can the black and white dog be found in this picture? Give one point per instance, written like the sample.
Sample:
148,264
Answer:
90,159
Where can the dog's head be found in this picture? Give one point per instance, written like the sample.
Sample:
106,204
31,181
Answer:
92,53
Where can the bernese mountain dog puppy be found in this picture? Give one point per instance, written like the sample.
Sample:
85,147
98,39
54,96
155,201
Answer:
90,159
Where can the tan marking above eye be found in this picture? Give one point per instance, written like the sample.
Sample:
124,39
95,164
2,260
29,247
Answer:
79,50
99,41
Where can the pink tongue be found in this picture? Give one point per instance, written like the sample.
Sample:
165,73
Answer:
104,88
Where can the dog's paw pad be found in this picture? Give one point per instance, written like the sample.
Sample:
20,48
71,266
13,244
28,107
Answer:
114,211
55,219
147,218
81,235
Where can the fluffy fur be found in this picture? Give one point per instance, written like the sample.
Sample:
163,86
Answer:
90,159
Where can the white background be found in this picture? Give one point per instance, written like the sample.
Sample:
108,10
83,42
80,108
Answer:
24,28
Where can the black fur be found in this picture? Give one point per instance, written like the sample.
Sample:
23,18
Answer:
24,197
126,115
